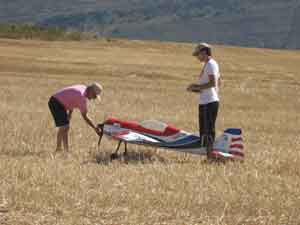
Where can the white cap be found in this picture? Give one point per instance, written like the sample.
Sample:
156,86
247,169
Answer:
199,47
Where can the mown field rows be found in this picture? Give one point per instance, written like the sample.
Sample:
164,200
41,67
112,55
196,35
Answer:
146,80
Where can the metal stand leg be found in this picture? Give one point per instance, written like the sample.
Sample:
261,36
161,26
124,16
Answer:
125,152
101,127
117,149
115,154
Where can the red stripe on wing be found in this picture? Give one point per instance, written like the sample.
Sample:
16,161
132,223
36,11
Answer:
240,146
136,127
237,139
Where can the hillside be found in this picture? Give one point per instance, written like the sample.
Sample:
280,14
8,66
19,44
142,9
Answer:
269,24
146,80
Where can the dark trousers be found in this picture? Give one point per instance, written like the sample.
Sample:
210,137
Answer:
207,118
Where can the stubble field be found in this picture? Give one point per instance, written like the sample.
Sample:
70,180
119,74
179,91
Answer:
147,80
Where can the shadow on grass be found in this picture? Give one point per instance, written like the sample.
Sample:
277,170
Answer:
141,157
131,157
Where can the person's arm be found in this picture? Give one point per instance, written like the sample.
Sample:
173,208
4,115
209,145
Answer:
200,87
90,123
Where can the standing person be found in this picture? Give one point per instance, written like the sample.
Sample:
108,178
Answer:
62,104
208,87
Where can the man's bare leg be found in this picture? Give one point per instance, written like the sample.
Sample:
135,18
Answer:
59,139
66,138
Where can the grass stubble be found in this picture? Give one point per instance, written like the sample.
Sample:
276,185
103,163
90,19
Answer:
146,80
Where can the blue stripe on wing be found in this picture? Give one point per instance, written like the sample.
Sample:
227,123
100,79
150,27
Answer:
184,141
187,142
233,131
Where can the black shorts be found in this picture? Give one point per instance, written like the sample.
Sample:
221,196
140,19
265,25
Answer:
58,112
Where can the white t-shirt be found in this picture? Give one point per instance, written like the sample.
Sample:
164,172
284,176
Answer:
211,94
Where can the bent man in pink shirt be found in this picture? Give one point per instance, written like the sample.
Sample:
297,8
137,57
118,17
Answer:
65,101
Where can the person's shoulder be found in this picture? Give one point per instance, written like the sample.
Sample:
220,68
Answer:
212,65
79,86
78,89
212,62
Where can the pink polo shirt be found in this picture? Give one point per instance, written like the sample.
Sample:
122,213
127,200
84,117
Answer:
73,97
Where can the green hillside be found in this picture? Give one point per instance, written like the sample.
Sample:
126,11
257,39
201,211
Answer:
265,23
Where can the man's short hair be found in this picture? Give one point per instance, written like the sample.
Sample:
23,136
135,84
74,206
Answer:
96,87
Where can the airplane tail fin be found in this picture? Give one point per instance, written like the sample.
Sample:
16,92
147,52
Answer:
229,145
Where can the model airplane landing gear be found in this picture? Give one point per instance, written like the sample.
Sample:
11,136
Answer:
115,155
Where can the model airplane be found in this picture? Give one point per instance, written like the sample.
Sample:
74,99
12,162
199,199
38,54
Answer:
158,134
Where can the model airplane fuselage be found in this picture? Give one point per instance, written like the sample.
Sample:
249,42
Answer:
157,134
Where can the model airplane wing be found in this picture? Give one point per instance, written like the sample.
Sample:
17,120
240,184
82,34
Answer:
131,137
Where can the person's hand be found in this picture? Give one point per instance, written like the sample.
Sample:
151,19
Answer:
193,88
190,87
98,131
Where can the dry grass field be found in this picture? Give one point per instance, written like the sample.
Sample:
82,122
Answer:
147,80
